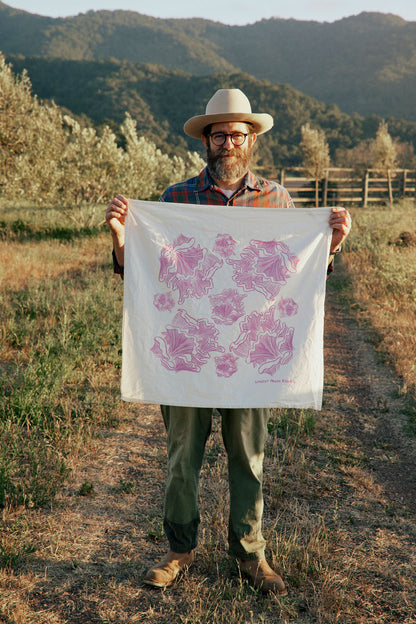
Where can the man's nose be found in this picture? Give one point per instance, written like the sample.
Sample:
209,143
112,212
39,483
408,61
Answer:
228,144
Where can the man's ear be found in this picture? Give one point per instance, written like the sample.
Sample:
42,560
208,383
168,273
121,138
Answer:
204,140
253,138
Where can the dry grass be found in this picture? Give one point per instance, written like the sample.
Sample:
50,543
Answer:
34,261
383,277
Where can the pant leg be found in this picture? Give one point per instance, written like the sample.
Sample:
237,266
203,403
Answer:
187,430
244,433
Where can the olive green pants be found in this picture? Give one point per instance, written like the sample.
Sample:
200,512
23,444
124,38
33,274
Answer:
244,434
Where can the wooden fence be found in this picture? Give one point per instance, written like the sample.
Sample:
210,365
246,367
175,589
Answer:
345,187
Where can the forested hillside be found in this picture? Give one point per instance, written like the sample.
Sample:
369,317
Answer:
361,63
161,100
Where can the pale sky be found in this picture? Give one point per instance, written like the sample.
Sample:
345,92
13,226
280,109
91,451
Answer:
225,11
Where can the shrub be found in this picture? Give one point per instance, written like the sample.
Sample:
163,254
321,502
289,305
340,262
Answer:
49,158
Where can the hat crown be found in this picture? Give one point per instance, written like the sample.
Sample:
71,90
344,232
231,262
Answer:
228,101
228,105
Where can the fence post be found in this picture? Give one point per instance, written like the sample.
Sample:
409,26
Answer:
365,191
282,177
389,186
404,182
325,194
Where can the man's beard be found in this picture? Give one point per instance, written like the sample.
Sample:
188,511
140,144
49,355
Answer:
228,169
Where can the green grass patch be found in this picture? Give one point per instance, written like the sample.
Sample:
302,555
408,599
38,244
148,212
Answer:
61,341
291,422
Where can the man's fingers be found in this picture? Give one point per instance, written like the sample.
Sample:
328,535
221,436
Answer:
340,218
117,208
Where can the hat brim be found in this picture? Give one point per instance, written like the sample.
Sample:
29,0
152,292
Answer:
261,122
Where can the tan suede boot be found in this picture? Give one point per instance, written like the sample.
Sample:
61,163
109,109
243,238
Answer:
262,576
166,571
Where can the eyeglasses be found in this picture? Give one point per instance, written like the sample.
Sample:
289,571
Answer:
219,138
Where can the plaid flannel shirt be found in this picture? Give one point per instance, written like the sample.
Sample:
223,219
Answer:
256,192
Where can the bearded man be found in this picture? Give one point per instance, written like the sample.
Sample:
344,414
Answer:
229,131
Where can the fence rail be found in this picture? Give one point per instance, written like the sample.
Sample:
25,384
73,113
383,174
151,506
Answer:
345,186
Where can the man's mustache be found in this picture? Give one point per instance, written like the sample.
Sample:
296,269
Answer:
223,152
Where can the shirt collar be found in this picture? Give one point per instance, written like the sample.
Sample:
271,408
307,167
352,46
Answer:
205,181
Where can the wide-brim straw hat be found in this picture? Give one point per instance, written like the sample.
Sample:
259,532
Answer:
228,105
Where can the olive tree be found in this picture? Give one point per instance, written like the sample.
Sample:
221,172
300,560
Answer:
383,151
30,139
146,171
49,158
315,151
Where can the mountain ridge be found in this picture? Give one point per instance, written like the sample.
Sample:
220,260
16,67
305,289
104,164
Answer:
361,63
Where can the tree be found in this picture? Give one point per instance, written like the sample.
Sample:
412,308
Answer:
32,140
89,168
315,152
146,171
49,158
383,151
16,104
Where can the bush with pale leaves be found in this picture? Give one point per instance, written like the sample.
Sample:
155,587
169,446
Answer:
48,158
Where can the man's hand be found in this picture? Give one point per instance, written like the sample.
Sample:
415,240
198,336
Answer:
340,222
116,213
116,217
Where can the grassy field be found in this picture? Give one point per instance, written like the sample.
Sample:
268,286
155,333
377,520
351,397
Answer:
78,529
60,349
381,264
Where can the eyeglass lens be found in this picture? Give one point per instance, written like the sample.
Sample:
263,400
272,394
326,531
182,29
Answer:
219,138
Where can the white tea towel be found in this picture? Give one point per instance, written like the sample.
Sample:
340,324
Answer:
224,305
